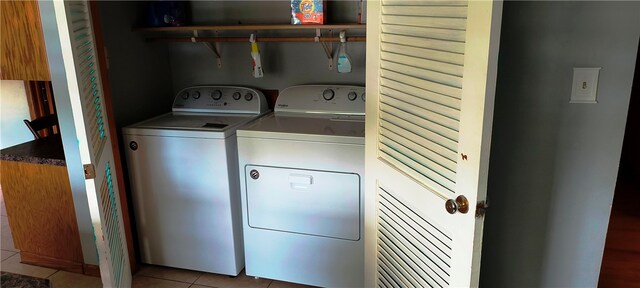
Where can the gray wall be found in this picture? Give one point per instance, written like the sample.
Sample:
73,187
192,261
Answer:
554,164
139,71
284,64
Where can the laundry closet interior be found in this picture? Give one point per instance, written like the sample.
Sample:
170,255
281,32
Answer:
148,67
144,76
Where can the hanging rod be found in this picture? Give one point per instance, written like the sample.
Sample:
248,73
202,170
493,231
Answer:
251,27
259,39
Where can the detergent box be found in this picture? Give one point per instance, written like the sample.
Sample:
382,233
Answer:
307,11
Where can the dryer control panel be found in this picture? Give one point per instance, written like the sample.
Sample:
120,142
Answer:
220,99
322,99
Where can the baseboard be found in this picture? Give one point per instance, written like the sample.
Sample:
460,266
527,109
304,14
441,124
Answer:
92,270
44,261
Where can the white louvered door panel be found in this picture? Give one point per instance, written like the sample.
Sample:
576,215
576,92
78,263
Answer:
85,89
431,68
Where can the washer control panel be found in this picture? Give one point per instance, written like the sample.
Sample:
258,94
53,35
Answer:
322,99
220,99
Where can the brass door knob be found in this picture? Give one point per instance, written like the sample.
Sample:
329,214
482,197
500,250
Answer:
461,204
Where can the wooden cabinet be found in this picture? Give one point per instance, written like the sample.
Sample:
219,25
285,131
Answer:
40,207
42,218
23,56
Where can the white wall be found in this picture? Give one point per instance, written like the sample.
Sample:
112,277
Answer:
554,164
13,110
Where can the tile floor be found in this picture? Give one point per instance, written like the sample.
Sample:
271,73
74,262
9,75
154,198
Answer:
148,276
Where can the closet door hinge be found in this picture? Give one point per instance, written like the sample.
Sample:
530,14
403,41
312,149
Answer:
481,208
89,171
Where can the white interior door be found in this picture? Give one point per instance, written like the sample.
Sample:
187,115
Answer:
75,30
431,72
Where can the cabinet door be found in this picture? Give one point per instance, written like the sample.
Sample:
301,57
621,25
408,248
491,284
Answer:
23,54
77,81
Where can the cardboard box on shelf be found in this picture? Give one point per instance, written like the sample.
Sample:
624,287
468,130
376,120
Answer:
307,11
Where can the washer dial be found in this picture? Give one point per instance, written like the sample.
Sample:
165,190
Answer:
248,96
216,95
185,95
364,97
196,95
236,96
352,96
328,94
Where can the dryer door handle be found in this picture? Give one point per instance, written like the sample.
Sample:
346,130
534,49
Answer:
300,181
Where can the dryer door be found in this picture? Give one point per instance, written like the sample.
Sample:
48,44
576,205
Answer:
311,202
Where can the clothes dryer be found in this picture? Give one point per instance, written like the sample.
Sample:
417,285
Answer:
301,172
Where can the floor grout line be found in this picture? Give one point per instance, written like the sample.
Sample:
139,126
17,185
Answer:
54,273
154,277
194,282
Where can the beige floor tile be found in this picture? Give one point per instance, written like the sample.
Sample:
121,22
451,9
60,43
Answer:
6,240
169,273
281,284
64,279
224,281
2,206
7,254
13,265
5,221
148,282
199,286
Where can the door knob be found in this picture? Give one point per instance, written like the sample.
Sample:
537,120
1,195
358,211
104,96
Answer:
461,204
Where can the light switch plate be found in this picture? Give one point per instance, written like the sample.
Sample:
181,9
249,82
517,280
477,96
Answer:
585,85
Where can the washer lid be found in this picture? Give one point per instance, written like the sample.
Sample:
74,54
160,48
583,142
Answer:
196,121
347,129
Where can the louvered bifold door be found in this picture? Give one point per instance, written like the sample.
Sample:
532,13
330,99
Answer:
421,65
87,101
430,80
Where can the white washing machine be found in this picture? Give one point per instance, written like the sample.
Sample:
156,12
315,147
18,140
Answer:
183,172
301,172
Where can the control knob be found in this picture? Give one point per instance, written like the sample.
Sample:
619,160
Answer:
185,95
328,94
236,96
352,96
364,97
216,95
248,96
196,95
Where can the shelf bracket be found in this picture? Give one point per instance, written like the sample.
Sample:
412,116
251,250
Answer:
328,48
215,49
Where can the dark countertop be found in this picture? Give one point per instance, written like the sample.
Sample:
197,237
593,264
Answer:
46,150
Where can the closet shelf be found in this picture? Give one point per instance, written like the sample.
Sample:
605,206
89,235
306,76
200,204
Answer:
176,34
194,37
